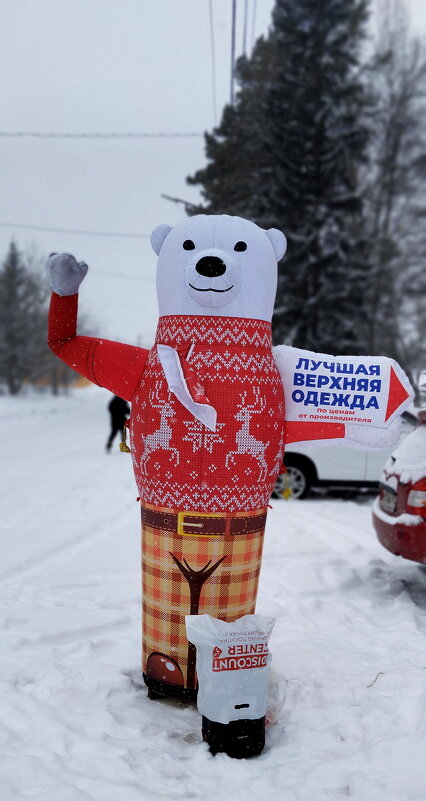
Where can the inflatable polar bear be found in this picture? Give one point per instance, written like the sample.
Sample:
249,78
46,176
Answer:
207,425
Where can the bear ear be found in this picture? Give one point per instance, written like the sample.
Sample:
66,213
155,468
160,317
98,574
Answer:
278,242
158,236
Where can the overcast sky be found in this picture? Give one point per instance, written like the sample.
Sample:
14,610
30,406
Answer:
112,66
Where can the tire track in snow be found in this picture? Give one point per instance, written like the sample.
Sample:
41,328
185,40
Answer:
62,638
338,536
59,553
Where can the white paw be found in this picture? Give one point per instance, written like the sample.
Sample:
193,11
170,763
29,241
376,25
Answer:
65,273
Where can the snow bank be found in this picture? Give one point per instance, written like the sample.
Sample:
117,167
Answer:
75,721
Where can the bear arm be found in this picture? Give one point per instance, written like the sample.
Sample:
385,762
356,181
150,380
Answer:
112,365
308,432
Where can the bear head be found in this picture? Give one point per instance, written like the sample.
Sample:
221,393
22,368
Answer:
217,265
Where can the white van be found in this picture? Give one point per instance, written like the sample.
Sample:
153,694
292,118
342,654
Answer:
334,466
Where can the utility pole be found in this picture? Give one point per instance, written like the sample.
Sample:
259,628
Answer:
245,27
233,34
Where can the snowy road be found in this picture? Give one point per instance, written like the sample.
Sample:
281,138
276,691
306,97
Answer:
75,724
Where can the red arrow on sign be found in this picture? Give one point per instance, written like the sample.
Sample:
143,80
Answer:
397,394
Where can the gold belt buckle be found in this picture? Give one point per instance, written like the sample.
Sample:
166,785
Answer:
181,522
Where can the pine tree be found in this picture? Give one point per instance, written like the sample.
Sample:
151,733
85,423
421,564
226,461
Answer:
21,321
395,206
236,149
290,149
24,354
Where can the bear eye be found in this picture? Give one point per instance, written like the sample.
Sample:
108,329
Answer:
240,246
188,245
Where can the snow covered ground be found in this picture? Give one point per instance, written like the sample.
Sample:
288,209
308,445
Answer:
75,722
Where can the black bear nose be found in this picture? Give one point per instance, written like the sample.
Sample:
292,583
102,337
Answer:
210,266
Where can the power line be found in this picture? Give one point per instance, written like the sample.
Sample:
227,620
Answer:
50,135
73,231
124,275
91,233
213,60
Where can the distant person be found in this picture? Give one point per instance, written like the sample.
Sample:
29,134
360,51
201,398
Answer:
119,410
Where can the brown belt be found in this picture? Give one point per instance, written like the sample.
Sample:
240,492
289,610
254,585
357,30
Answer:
196,524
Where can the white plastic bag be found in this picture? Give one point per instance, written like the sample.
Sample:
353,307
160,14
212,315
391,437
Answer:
233,662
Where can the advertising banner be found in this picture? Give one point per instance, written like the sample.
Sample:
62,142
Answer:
364,390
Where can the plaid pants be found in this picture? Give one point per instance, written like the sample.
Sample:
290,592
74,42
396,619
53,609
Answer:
185,573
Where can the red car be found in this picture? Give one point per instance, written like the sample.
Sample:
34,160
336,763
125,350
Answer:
399,512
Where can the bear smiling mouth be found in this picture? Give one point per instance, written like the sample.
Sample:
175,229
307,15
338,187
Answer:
211,289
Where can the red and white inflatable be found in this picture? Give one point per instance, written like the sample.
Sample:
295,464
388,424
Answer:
208,418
